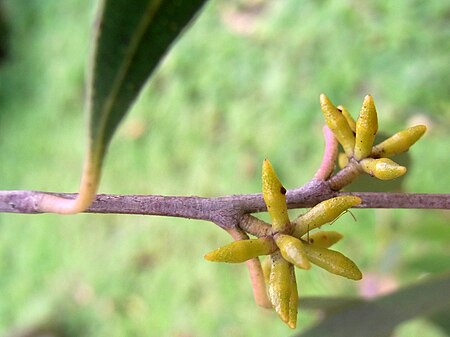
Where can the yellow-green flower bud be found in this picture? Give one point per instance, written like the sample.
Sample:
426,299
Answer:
293,302
366,129
382,168
350,120
333,261
292,250
275,197
338,125
266,265
322,213
324,239
242,250
342,160
400,142
280,285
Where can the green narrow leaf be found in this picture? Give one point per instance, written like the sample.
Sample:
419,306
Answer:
131,39
441,320
329,304
380,316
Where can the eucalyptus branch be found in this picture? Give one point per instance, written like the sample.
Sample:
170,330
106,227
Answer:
283,240
345,176
233,211
225,211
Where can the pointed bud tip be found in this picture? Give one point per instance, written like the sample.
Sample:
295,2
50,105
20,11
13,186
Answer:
354,200
270,178
421,128
292,324
284,316
208,257
368,101
324,99
392,173
357,276
266,164
267,168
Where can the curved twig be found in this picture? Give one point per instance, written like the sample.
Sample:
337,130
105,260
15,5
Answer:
329,155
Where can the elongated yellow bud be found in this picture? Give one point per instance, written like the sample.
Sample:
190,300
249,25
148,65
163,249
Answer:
382,168
400,142
333,261
323,213
275,197
324,239
293,301
351,122
366,129
338,124
292,250
266,265
342,160
242,250
280,285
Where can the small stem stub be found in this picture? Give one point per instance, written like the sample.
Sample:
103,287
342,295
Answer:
345,176
330,153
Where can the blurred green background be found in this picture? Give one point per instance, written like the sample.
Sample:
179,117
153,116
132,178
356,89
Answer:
240,86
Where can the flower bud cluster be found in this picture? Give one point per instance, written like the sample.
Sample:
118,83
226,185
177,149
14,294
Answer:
291,244
357,139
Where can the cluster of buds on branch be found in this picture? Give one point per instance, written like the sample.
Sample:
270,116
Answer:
357,140
286,243
291,243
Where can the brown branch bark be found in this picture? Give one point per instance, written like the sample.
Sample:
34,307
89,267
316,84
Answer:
225,211
234,211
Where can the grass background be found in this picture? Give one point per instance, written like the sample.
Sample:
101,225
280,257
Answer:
241,85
